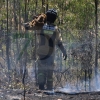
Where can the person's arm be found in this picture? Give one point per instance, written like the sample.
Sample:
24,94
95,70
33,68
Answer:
60,44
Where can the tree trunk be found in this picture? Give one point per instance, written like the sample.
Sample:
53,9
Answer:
43,6
96,41
7,41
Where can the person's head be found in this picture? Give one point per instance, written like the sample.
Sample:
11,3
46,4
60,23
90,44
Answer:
51,15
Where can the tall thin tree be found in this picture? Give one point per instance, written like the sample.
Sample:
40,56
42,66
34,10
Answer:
7,42
43,6
47,5
96,40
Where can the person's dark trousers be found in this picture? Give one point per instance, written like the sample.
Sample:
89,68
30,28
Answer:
50,79
45,73
41,76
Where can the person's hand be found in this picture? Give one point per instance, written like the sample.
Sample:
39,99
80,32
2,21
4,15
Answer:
65,56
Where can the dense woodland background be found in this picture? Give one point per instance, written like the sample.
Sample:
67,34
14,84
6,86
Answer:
79,23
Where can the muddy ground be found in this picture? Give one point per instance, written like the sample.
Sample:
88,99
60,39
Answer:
17,94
